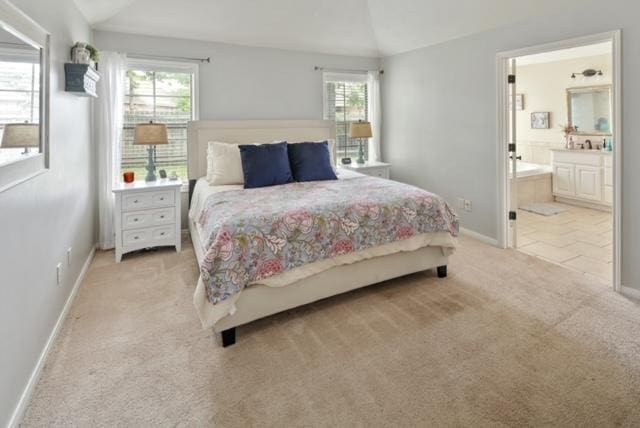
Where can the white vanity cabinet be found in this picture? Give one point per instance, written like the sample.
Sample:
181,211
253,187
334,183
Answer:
583,176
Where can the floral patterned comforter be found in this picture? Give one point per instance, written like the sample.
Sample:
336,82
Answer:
252,234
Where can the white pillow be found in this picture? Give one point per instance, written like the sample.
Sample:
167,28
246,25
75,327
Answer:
224,165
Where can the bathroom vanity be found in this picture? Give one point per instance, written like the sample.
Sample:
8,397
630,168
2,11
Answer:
583,177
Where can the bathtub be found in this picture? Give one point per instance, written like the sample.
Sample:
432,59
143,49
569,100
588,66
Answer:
534,183
526,169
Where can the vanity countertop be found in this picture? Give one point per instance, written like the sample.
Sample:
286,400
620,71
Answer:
582,151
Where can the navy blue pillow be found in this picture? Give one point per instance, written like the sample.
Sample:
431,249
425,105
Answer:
265,165
311,161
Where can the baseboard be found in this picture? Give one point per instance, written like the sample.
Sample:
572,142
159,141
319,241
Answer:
480,237
632,293
18,413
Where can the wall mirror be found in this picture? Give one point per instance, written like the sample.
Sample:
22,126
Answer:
589,110
24,97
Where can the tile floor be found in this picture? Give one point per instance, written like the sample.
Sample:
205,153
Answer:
579,238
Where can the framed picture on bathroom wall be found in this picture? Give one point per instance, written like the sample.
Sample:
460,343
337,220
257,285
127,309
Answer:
519,101
540,120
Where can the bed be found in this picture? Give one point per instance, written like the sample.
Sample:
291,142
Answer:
304,283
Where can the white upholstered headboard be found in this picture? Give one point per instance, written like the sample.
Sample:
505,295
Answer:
200,132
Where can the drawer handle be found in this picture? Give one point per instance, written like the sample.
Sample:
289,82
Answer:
135,219
135,237
162,199
161,216
135,201
162,234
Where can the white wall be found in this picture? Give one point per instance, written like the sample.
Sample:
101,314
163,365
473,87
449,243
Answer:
42,217
544,87
245,82
439,104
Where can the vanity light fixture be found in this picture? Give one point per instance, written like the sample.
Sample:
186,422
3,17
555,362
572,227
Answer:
589,72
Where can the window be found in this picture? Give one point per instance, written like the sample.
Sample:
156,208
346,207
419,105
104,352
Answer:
162,93
346,101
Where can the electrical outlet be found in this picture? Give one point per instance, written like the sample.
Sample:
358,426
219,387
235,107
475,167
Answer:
467,205
59,273
460,203
69,256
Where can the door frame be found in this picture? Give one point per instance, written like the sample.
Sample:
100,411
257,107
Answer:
502,91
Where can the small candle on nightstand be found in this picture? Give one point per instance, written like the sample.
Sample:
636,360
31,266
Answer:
128,177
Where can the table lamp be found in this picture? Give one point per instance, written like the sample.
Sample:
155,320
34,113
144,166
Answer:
21,135
361,130
151,134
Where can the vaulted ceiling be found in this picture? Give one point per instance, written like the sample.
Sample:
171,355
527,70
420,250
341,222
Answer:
349,27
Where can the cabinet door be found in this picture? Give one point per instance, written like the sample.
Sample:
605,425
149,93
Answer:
563,179
589,182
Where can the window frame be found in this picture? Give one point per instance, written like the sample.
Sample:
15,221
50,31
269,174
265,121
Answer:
165,66
342,76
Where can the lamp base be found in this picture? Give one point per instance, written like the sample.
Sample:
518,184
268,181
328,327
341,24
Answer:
360,160
151,165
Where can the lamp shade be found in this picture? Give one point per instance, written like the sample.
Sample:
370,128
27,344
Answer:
20,135
151,134
361,130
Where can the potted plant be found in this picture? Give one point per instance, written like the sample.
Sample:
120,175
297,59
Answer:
567,130
84,53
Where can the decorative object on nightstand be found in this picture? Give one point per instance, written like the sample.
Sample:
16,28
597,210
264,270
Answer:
20,136
128,177
373,169
361,130
147,214
151,134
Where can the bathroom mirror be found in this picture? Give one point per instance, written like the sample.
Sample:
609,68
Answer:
24,96
589,110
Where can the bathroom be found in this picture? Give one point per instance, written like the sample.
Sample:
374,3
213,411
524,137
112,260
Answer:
564,151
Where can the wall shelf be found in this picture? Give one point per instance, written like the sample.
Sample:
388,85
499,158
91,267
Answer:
81,79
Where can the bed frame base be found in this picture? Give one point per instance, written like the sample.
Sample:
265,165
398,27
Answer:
442,271
228,337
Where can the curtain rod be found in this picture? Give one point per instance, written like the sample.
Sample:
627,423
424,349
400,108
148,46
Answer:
169,58
345,70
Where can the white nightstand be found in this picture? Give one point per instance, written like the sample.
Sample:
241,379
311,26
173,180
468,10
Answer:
374,169
147,214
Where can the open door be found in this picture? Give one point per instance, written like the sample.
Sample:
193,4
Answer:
513,166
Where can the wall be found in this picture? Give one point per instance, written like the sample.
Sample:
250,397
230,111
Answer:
440,120
41,218
245,82
544,87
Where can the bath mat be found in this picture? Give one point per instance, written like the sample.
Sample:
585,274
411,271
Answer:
543,209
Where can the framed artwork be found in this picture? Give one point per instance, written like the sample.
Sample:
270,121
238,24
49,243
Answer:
540,120
519,101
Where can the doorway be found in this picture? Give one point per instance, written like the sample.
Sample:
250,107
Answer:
559,117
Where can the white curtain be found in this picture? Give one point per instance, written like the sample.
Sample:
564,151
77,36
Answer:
375,115
108,117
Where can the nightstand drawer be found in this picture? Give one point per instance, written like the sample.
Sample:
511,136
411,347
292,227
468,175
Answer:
138,219
378,172
138,237
151,236
142,200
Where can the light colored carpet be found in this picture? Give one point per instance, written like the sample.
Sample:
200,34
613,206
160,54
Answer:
506,340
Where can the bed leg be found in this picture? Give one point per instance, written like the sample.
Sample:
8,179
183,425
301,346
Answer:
228,337
442,271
